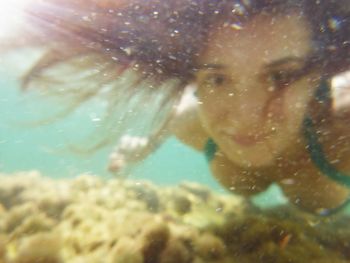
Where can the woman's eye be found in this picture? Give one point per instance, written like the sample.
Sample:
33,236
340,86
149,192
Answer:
215,80
281,78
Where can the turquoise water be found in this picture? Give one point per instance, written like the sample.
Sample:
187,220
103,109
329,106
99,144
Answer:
44,147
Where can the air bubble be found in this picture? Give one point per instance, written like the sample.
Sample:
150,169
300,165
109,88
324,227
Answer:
236,26
334,24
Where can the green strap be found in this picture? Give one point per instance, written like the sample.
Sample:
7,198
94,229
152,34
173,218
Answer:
210,149
318,157
333,211
322,95
316,152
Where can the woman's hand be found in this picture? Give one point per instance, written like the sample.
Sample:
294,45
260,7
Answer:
129,150
185,125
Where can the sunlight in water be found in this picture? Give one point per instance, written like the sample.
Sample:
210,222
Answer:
11,15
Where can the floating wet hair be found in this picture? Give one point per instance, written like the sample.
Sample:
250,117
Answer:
127,48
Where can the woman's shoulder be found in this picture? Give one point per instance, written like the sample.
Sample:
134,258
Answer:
186,125
340,93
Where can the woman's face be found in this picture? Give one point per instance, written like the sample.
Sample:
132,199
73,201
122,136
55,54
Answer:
248,101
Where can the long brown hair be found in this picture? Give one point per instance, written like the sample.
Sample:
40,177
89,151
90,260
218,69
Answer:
145,51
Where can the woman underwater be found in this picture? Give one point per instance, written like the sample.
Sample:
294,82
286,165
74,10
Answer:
260,103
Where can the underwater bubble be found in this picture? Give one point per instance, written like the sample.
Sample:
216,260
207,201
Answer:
86,18
271,89
238,9
334,23
219,209
288,181
155,14
127,50
95,119
236,26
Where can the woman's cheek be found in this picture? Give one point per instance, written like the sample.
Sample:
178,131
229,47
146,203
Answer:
275,109
297,101
209,117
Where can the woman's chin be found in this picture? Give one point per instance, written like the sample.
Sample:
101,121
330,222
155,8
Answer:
258,156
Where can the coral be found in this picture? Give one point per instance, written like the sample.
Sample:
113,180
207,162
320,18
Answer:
3,243
12,188
33,224
182,204
175,252
196,189
125,251
89,220
148,195
17,215
210,247
154,239
40,248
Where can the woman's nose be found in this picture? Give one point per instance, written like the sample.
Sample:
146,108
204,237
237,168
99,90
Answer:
245,108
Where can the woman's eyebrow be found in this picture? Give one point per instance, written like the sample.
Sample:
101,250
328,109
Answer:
273,64
285,60
210,66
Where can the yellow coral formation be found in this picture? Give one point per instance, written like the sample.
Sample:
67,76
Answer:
39,248
122,221
125,251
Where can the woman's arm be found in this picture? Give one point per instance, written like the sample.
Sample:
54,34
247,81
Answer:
185,125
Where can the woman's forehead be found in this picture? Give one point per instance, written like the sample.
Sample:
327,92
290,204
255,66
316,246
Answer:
264,38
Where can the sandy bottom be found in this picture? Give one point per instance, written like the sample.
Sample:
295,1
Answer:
87,219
